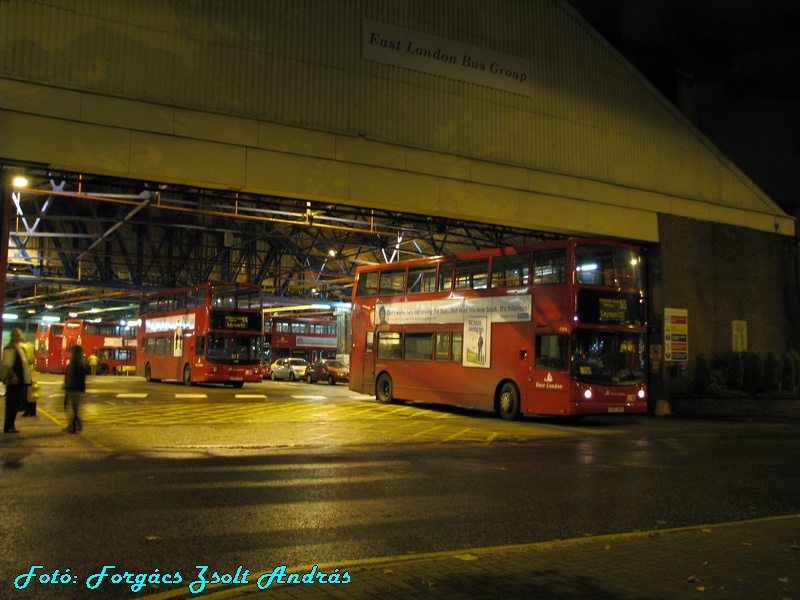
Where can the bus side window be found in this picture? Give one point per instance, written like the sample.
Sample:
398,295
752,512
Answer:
370,345
389,345
421,279
550,266
472,274
419,345
367,284
455,349
442,351
551,352
511,270
393,282
445,282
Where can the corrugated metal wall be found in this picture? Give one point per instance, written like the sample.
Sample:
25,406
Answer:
300,62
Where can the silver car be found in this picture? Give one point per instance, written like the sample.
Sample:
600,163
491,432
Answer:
289,368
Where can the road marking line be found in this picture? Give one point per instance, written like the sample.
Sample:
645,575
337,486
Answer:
457,434
251,395
132,395
191,396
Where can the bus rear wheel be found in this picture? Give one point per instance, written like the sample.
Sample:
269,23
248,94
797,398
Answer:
147,374
508,402
384,389
187,375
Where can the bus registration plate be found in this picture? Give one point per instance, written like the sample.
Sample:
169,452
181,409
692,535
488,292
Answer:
616,409
236,378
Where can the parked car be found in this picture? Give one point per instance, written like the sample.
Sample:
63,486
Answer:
328,370
288,368
265,370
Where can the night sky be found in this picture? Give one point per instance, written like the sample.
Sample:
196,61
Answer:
743,57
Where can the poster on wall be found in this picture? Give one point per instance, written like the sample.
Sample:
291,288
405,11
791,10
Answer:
676,334
477,341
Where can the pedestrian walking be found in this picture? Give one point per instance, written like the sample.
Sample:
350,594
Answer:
15,371
28,407
93,360
75,387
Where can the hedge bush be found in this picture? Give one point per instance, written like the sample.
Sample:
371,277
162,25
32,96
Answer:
746,372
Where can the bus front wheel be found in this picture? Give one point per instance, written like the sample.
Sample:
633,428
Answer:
187,375
508,402
384,389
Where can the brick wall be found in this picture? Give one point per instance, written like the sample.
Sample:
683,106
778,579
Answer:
720,274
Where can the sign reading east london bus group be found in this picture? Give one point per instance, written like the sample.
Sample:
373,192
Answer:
676,334
444,57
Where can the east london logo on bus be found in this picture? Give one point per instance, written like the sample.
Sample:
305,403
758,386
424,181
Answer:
549,383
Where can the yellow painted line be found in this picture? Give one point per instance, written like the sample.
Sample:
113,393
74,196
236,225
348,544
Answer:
462,554
61,423
423,432
457,434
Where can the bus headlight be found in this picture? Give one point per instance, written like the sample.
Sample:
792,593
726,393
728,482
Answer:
587,394
641,393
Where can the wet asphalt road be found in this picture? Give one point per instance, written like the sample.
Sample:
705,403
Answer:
314,474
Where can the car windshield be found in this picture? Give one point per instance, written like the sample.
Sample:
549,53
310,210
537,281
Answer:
335,364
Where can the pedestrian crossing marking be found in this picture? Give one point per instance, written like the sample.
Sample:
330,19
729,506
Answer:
131,395
261,396
191,395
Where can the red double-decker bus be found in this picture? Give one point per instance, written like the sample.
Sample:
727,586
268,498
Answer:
211,332
310,338
50,355
557,328
114,344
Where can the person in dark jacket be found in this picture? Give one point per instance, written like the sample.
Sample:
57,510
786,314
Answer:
15,372
75,387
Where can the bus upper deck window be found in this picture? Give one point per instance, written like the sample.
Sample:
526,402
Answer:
367,284
511,270
550,266
422,279
472,274
393,282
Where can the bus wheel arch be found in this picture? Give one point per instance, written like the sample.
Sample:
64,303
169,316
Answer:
102,369
507,401
187,374
384,388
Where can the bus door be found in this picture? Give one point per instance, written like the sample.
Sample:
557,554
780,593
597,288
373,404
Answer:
368,363
548,385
